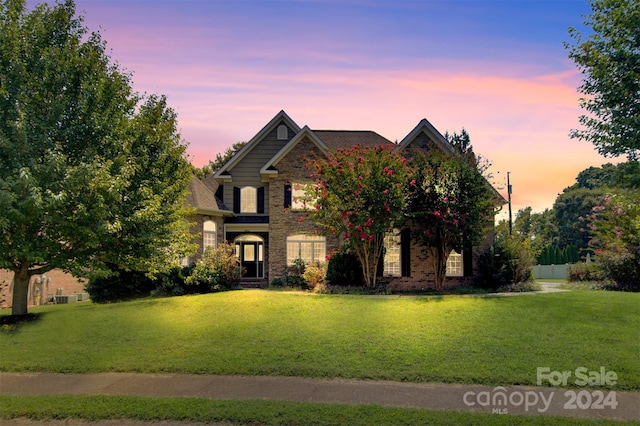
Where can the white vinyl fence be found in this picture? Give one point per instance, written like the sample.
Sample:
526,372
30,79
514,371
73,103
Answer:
541,272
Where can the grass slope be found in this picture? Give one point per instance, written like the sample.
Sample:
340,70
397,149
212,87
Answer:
488,340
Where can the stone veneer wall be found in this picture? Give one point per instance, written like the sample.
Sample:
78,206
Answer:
198,221
423,143
284,222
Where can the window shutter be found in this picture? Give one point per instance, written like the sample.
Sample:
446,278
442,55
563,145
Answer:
287,195
380,270
261,200
405,253
467,260
236,199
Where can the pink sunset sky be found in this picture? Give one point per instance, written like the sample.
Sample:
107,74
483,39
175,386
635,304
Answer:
496,68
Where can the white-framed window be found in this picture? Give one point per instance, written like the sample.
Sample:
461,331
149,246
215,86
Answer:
248,199
299,198
392,254
454,264
208,235
310,248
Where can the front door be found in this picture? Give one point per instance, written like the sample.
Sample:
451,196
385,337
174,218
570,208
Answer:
250,250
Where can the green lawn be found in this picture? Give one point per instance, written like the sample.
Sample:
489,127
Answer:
94,408
488,340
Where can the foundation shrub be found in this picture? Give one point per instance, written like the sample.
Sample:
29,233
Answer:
119,286
217,270
294,275
315,275
344,269
174,282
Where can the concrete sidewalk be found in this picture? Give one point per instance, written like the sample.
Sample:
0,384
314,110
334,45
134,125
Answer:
512,400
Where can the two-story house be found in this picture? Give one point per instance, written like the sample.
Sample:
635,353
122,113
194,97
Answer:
253,203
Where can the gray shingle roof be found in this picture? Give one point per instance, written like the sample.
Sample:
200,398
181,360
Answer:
202,197
337,139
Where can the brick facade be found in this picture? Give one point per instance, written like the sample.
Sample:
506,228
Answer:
58,280
285,222
198,221
422,274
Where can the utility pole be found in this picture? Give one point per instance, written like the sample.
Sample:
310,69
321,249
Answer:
509,198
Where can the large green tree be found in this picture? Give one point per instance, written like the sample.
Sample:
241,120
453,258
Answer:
537,229
461,143
609,59
92,176
576,202
570,210
622,175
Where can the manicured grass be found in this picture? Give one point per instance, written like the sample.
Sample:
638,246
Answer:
584,285
488,340
94,408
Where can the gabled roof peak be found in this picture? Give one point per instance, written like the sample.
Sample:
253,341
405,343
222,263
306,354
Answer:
269,169
278,118
425,126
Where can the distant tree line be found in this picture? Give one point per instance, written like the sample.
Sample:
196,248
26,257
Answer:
564,227
554,255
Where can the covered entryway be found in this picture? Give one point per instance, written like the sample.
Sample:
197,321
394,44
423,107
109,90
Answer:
250,251
250,237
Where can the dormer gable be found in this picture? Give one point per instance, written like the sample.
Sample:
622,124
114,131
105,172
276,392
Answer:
281,126
424,137
270,169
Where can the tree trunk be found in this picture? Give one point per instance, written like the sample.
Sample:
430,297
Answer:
369,255
439,257
20,289
365,264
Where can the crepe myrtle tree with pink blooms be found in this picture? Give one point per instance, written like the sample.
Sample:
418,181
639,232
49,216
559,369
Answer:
360,194
449,206
614,227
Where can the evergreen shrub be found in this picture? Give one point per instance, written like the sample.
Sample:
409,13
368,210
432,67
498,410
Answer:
119,286
507,262
344,269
